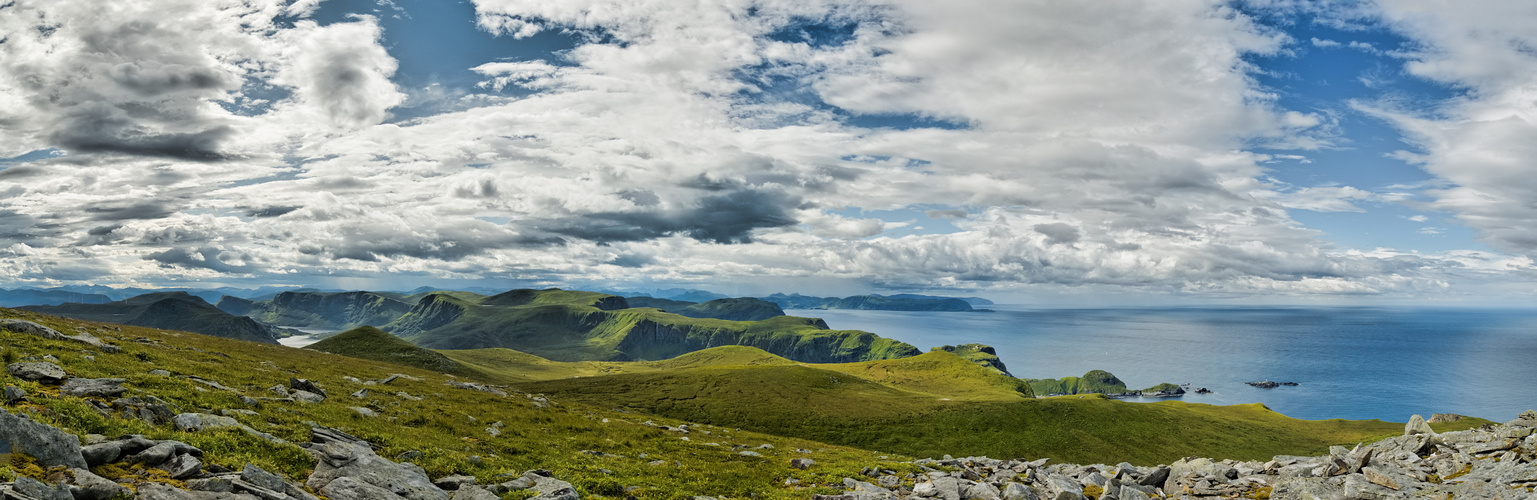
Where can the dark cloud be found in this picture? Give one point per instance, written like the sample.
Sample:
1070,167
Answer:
142,210
20,171
270,211
204,258
102,235
953,213
633,260
451,241
102,128
641,197
728,218
1058,233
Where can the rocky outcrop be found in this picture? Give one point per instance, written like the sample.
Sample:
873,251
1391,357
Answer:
1492,462
980,354
430,312
49,445
30,328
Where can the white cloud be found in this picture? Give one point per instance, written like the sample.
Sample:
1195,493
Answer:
1317,42
1479,143
1086,143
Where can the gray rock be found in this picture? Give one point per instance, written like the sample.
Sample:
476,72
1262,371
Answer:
99,387
193,422
474,493
255,475
802,463
212,484
347,488
307,397
982,491
40,491
1417,426
749,453
364,411
90,486
1016,491
357,461
14,395
39,371
1130,493
300,384
48,444
452,483
28,327
160,373
162,452
279,390
362,393
101,454
183,467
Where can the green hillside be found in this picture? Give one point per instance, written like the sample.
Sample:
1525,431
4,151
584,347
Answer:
320,310
819,403
168,310
1093,382
367,342
586,326
448,429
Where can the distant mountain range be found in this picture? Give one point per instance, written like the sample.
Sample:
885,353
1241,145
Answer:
904,302
170,311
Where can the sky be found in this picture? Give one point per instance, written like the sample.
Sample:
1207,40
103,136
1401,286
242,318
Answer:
1114,151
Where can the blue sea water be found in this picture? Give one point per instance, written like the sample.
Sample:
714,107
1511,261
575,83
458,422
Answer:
1350,362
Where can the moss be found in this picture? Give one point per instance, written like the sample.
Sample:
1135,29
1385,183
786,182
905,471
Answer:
26,465
1466,469
1093,491
1260,493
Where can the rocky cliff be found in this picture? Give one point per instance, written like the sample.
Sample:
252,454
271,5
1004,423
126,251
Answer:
335,311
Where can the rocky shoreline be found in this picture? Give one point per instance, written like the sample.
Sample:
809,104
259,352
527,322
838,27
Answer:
1495,462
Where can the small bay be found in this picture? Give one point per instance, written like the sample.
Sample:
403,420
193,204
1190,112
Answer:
1349,362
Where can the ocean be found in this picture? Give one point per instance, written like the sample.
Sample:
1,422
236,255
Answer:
1349,362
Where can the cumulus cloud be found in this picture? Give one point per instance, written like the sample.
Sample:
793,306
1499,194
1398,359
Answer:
1480,142
1090,143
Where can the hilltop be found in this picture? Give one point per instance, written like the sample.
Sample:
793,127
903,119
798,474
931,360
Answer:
171,311
589,326
1099,382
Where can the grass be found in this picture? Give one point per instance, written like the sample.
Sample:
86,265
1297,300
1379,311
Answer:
825,403
448,425
583,326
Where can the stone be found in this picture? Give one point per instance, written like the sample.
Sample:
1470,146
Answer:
48,444
183,467
802,463
30,328
212,484
1016,491
279,390
474,493
162,452
927,489
750,453
101,454
362,393
364,411
99,387
1380,479
452,483
1417,426
89,486
193,422
307,397
259,477
1155,478
300,384
982,491
160,373
347,488
38,490
14,395
39,371
358,462
1444,417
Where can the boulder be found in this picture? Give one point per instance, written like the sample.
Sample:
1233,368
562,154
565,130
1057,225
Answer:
89,486
1417,426
802,463
37,490
300,384
1016,491
182,467
452,483
48,444
14,395
193,422
162,452
99,387
308,397
39,371
474,493
358,463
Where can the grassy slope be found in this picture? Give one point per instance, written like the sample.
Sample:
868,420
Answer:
448,426
563,325
825,404
367,342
